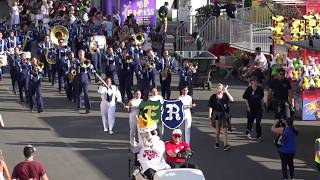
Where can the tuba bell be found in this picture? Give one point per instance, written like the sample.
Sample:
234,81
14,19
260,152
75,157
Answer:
140,38
59,32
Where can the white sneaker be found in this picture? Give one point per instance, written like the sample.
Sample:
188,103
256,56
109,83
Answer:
105,130
111,132
249,136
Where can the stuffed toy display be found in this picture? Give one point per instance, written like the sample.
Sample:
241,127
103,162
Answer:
311,74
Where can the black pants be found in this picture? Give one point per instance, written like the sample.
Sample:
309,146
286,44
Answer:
149,173
287,160
251,117
165,87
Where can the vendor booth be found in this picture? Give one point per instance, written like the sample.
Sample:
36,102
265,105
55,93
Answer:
296,47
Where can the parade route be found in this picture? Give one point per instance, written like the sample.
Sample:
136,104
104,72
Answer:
73,145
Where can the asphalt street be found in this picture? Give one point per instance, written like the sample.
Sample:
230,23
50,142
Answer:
73,145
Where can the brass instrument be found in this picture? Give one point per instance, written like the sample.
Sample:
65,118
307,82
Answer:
150,65
139,38
86,63
165,73
49,60
40,66
72,73
26,39
59,32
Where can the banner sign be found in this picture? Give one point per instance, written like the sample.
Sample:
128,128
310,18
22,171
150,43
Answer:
152,108
172,113
311,109
144,11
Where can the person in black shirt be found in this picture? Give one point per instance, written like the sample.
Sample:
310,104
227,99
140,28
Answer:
280,95
163,11
219,113
254,100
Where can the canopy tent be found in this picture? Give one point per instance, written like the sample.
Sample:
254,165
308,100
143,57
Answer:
306,44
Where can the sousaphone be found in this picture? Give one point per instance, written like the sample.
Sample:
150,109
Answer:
59,32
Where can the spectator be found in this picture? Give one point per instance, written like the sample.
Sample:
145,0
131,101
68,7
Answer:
259,68
176,150
198,40
216,8
29,169
280,96
248,62
230,9
163,11
317,154
219,113
4,171
254,101
288,148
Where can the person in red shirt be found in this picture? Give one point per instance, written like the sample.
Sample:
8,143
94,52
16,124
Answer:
176,149
29,169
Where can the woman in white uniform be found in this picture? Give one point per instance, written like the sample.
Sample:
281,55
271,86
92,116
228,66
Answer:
109,95
187,104
133,108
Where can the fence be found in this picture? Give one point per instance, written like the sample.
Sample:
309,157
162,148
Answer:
240,33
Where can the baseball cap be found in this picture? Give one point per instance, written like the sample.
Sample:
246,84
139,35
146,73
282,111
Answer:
177,131
29,148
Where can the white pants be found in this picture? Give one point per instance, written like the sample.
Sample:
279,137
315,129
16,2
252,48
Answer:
187,125
108,112
133,127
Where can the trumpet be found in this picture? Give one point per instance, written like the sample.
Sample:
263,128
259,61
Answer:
72,73
151,65
86,63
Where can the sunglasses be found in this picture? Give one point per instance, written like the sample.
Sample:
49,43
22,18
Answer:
177,136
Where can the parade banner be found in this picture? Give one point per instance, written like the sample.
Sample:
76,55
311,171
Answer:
152,108
172,113
144,11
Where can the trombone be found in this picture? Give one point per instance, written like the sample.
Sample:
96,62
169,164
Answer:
86,63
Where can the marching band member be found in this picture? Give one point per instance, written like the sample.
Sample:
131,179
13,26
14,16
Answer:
70,76
43,52
62,52
121,47
126,64
187,103
23,76
3,49
78,36
166,66
185,74
153,60
12,40
14,60
40,31
82,80
142,77
35,97
3,44
109,95
133,108
26,37
110,60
